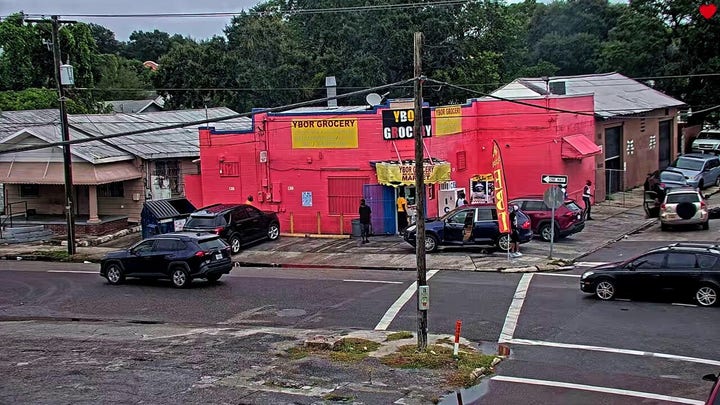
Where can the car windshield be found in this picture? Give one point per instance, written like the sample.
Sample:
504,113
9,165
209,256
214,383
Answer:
572,206
205,222
212,244
672,176
677,198
709,135
688,164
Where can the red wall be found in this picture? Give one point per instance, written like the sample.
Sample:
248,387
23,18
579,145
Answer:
530,140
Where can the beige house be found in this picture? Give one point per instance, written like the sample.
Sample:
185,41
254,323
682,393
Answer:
635,125
112,178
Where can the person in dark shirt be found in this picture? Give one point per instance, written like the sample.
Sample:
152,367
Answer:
365,213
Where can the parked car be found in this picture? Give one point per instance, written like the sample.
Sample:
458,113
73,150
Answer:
700,170
569,217
180,256
238,224
714,397
480,219
656,185
708,141
682,269
684,206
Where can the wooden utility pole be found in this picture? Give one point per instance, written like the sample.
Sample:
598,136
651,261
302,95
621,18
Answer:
422,291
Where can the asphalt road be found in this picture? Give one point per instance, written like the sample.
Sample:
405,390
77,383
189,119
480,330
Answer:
566,347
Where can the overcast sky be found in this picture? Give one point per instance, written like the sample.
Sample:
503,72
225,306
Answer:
198,28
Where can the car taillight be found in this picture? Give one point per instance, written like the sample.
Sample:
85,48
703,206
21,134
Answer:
218,230
662,185
662,206
702,205
526,225
200,254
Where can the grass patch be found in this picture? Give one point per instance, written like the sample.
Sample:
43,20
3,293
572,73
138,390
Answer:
352,349
399,336
441,357
337,398
297,353
54,255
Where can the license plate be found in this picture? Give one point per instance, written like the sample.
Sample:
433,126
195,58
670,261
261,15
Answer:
218,256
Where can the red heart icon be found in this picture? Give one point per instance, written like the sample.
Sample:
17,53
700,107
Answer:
708,10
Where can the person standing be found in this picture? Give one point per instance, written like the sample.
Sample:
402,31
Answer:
460,199
249,200
402,212
514,233
586,199
365,213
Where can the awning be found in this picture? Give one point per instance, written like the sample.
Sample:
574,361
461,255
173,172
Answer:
395,174
53,173
578,147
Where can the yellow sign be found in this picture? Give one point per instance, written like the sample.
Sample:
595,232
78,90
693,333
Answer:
393,174
325,133
482,177
448,120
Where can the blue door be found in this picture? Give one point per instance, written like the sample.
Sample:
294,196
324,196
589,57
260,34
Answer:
381,200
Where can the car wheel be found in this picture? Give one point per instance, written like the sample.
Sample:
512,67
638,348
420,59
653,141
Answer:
706,225
605,289
235,245
180,277
115,274
213,278
706,295
545,233
273,232
431,243
503,242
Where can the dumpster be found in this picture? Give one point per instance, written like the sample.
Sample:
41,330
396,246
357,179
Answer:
356,228
164,216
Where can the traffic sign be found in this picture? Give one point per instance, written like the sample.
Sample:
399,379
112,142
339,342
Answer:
554,179
554,197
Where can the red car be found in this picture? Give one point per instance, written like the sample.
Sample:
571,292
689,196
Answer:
714,398
569,218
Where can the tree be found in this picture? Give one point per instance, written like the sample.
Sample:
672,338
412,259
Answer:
104,39
145,46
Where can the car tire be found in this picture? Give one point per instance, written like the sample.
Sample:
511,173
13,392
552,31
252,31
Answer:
235,244
503,242
180,277
706,225
431,243
706,295
273,232
544,233
115,274
605,289
213,278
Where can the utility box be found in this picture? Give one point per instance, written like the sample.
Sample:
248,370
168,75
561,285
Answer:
67,77
164,216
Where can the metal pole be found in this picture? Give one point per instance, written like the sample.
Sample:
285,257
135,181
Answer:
552,228
422,328
67,157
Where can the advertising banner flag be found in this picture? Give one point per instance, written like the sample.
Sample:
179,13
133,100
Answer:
501,201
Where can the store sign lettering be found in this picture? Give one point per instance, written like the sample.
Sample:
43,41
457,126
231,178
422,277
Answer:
399,124
408,173
324,133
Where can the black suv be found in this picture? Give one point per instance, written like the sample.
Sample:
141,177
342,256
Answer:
179,256
238,224
684,269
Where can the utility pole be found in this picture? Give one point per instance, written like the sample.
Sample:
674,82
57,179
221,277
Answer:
65,130
422,288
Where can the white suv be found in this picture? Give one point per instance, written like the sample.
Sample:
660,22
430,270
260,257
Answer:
683,206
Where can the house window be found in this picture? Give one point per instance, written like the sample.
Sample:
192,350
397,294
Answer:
169,171
344,194
229,169
111,190
29,190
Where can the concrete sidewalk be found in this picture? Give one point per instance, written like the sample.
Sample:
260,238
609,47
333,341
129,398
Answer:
614,219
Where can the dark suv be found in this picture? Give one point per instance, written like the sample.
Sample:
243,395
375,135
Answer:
179,256
569,218
238,224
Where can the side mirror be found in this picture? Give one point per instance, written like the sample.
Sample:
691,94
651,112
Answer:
710,377
706,196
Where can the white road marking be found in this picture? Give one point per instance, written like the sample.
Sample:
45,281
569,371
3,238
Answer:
594,388
513,313
559,275
401,301
589,264
678,304
373,281
72,271
631,352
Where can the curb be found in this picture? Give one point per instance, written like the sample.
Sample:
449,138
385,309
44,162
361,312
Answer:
611,241
522,269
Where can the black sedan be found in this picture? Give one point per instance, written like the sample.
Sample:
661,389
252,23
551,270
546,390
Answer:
180,257
683,269
469,225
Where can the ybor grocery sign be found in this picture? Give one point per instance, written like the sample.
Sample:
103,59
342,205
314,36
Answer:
399,124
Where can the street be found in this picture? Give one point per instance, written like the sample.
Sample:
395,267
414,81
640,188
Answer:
566,346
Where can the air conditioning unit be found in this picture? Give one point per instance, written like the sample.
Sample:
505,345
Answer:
136,197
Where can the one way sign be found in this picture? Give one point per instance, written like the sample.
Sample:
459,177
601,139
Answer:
554,179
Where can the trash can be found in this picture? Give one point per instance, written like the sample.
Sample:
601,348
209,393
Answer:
356,229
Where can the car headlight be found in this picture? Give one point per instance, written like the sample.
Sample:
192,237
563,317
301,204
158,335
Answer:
587,274
411,228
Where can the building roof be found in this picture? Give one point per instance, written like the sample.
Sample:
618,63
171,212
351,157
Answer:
614,94
13,121
135,106
325,109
